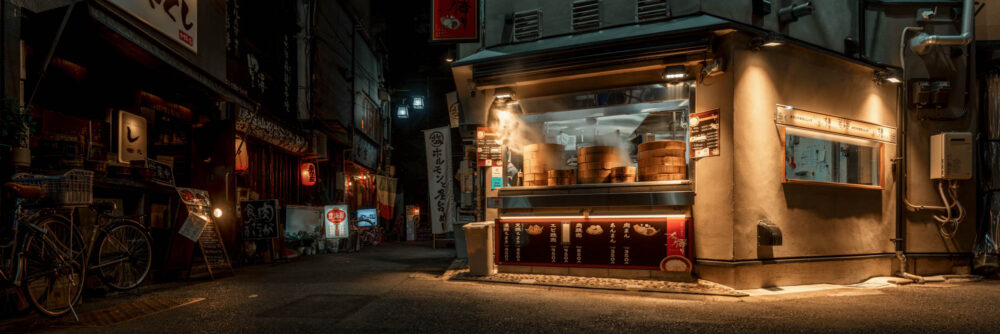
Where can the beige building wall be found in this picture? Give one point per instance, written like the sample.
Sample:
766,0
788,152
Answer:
988,21
814,220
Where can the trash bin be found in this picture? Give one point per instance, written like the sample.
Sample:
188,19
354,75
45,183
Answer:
479,245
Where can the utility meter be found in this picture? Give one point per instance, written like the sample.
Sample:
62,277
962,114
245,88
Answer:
951,156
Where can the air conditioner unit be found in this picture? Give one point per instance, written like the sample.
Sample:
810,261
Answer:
317,149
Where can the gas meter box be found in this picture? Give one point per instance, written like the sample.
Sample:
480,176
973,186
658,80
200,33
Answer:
951,156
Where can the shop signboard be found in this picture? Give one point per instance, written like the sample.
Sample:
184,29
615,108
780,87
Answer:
489,148
496,177
620,242
704,134
178,19
131,137
201,228
455,20
364,151
454,109
788,115
439,176
260,219
163,173
335,221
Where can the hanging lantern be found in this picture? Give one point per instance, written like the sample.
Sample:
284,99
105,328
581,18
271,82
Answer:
242,158
308,171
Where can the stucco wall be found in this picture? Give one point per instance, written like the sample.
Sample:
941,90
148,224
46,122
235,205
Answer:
713,203
815,220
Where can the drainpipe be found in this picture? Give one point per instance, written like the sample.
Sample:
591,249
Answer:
922,42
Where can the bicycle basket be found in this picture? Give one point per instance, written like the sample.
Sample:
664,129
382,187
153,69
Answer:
75,187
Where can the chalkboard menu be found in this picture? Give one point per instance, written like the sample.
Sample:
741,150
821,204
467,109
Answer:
214,251
489,150
705,134
260,219
604,243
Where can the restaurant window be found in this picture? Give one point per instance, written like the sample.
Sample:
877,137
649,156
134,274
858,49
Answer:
595,136
817,157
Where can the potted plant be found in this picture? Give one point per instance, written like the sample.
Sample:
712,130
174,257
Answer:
15,130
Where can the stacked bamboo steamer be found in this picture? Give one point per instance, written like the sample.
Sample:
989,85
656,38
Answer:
560,177
662,160
595,164
539,159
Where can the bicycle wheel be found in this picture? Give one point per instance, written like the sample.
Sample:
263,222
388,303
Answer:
53,271
124,256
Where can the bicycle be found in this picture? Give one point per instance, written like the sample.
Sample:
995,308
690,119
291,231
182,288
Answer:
45,259
124,254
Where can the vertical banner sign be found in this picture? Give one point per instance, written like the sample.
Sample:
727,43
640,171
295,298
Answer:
455,20
439,176
489,148
178,19
705,134
335,221
131,137
453,108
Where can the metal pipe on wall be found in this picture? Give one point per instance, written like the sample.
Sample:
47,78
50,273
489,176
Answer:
922,42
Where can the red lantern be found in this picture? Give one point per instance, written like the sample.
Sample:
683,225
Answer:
242,158
308,171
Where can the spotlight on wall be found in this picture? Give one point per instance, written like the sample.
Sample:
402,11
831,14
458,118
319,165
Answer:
503,93
674,74
712,68
890,75
418,102
450,55
770,40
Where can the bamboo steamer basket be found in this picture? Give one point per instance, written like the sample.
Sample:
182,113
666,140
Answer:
623,179
663,169
623,171
536,176
561,173
539,158
561,181
595,165
536,183
662,177
662,144
661,161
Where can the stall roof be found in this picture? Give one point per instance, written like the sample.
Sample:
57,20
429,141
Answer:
678,26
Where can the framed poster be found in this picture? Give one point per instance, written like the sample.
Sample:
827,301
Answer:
455,20
131,137
162,173
489,148
260,219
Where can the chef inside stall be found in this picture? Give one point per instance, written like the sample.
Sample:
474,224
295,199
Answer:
624,135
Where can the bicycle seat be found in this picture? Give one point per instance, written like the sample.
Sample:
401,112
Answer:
25,191
103,206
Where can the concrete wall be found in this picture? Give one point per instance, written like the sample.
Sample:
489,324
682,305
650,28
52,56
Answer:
815,220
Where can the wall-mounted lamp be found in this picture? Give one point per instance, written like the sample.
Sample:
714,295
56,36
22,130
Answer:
769,40
674,74
890,75
503,93
418,102
715,67
450,55
403,111
793,12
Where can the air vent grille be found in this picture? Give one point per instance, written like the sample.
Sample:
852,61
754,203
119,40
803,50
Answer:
527,25
586,15
651,10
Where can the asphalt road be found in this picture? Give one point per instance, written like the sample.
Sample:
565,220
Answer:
393,288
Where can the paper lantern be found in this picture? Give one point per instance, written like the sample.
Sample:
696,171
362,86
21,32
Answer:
308,171
242,158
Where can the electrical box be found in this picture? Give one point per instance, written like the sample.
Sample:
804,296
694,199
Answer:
951,156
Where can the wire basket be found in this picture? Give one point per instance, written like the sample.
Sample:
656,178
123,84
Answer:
75,187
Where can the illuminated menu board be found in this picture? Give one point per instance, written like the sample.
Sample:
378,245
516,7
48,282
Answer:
596,242
787,115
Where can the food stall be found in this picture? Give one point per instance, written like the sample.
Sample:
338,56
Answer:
693,147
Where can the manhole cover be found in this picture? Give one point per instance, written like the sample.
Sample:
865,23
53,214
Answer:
333,307
125,311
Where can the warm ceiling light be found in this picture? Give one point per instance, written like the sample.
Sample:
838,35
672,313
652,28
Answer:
674,74
769,40
890,75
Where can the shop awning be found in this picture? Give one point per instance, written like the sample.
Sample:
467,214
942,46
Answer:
678,36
